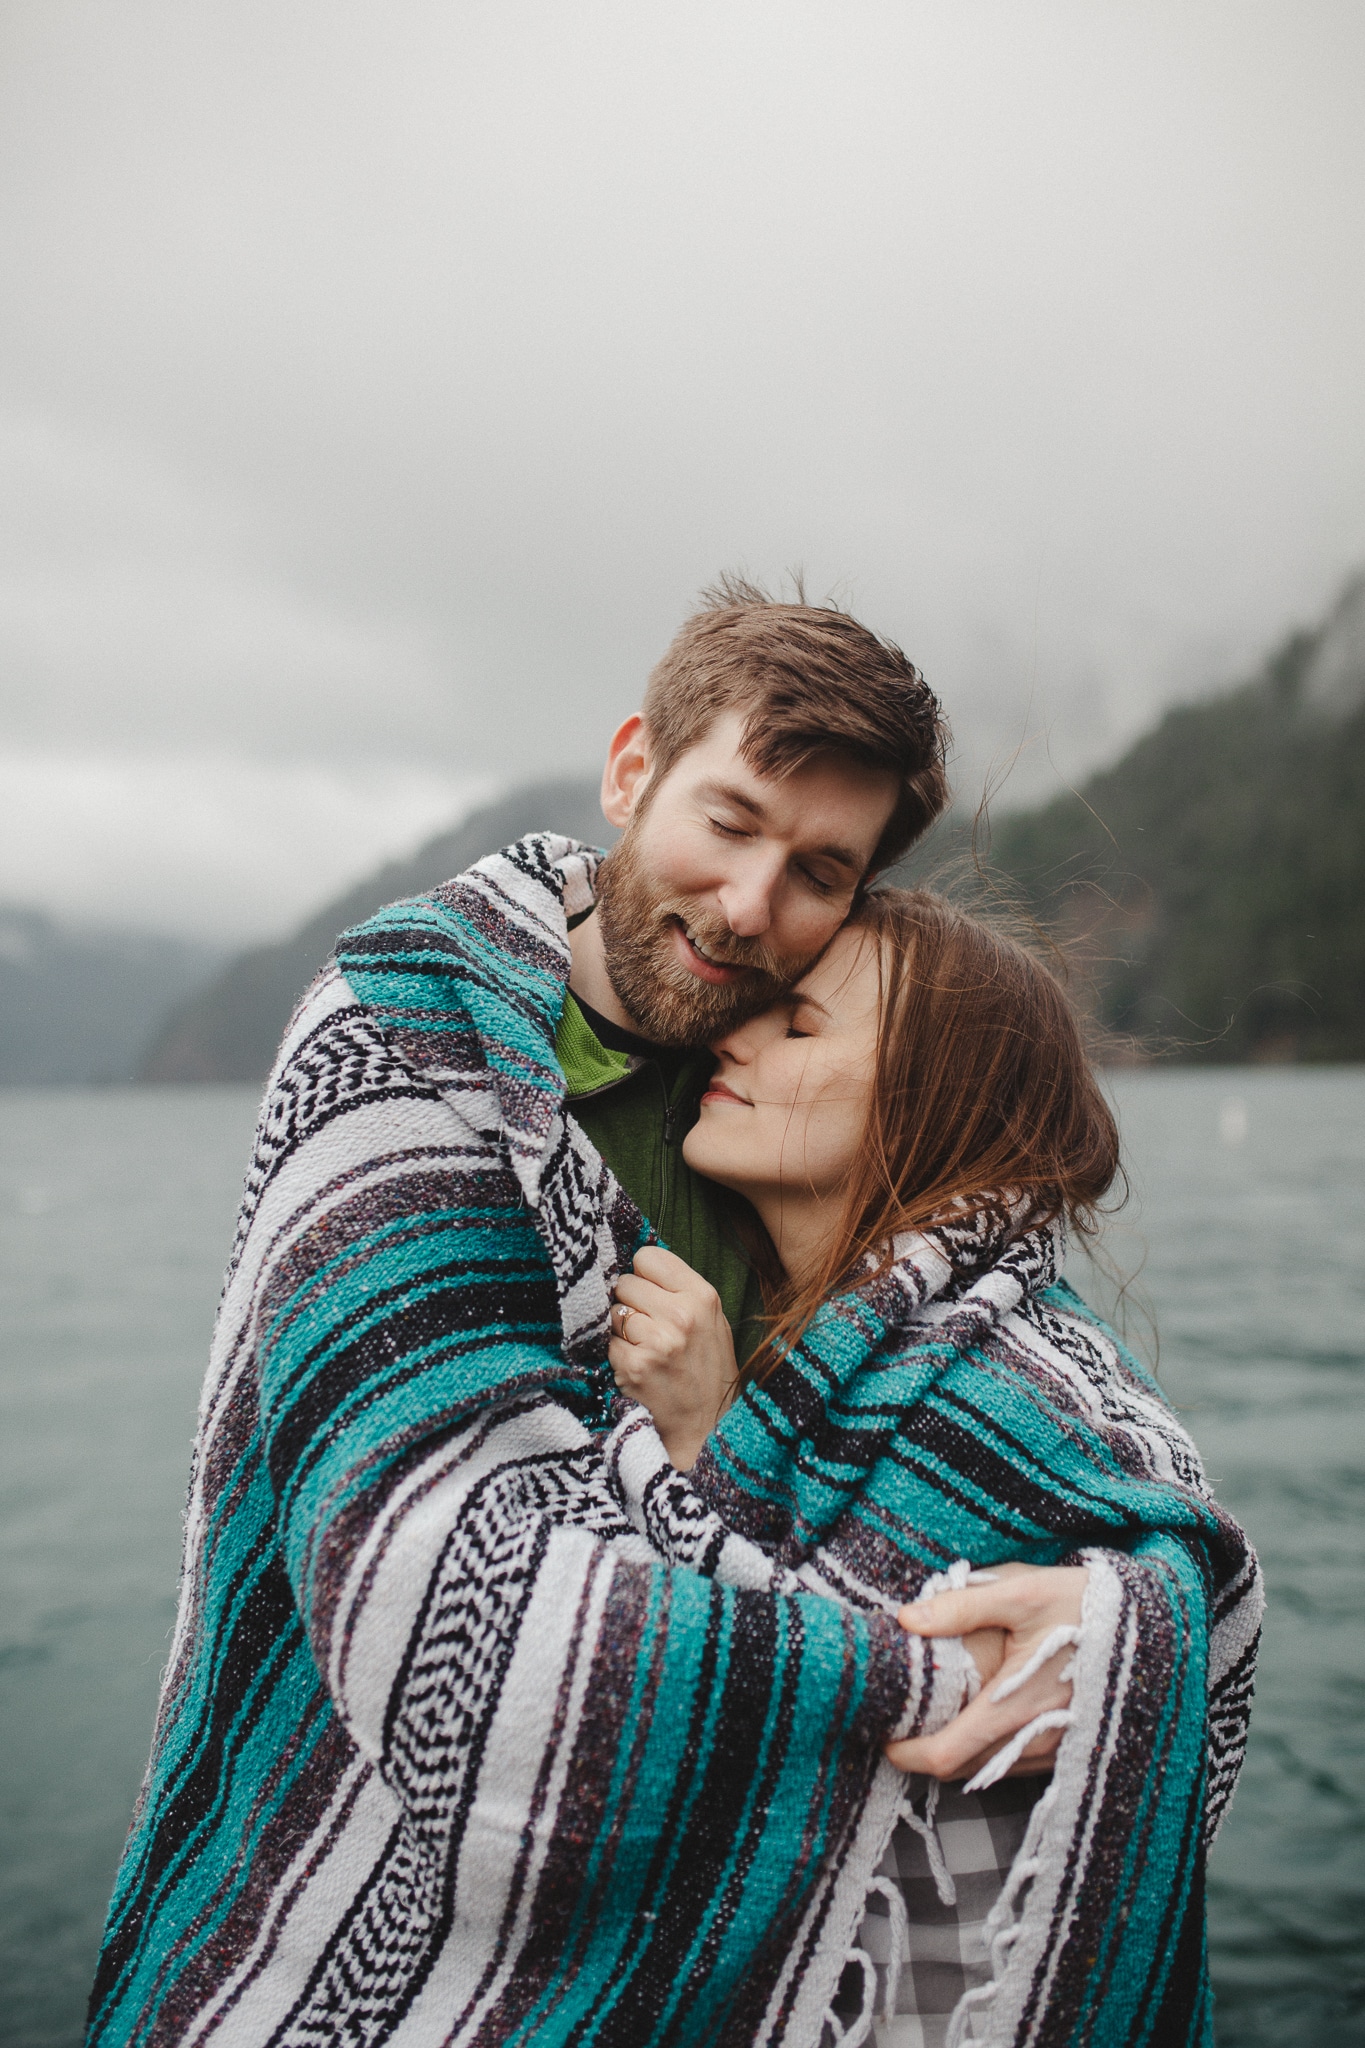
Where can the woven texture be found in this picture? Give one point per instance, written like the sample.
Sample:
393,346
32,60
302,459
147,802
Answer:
477,1730
964,1405
443,1753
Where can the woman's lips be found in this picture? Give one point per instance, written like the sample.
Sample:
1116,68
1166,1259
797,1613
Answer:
704,969
718,1092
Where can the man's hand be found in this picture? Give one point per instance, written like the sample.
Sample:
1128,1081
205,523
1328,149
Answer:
1019,1612
672,1350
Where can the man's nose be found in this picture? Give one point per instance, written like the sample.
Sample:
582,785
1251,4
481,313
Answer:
747,902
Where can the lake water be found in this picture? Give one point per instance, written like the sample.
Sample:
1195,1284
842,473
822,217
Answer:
115,1214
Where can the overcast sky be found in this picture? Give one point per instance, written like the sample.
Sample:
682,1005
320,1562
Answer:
378,385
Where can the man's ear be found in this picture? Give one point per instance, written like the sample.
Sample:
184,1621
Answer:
629,764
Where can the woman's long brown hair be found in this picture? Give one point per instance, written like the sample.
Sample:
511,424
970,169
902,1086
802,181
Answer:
982,1086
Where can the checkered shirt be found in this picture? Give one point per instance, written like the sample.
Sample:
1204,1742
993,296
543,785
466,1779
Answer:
981,1835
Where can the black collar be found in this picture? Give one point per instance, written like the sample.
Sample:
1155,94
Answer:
614,1037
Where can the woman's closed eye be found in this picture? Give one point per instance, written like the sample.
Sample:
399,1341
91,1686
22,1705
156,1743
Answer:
803,1020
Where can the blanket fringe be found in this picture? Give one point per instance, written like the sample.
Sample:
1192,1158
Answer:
1004,1925
1056,1639
992,1772
899,1948
926,1827
859,2029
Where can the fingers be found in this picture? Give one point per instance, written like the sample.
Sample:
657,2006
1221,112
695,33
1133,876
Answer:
1021,1599
958,1751
649,1341
629,1369
691,1305
918,1755
644,1294
949,1614
987,1648
673,1277
636,1370
679,1316
665,1268
988,1723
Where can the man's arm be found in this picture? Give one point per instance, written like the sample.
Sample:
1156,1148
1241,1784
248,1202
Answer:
424,1465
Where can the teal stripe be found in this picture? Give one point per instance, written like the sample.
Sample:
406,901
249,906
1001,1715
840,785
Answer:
1155,1840
567,2000
228,1841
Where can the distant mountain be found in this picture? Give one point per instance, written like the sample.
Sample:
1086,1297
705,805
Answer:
80,1004
229,1029
1215,876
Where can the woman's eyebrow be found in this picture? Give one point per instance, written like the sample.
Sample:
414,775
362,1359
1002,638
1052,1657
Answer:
798,999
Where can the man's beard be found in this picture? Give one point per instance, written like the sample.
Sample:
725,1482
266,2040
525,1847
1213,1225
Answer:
671,1005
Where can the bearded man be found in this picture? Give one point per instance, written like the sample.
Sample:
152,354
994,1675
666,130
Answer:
444,1754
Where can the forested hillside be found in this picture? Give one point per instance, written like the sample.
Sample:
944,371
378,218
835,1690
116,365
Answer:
1213,880
78,1004
1215,876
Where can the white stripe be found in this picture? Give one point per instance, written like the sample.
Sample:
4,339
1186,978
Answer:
306,1908
374,1622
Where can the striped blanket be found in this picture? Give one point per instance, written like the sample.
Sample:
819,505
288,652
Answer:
480,1728
965,1405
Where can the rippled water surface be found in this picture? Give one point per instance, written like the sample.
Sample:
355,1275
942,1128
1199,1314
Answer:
115,1213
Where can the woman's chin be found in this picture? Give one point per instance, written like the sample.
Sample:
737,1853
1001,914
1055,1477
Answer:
712,1161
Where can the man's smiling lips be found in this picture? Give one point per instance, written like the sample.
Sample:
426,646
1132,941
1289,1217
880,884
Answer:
721,971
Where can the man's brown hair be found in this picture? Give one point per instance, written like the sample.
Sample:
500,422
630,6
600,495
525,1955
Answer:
810,680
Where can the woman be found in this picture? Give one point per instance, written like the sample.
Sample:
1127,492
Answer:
915,1127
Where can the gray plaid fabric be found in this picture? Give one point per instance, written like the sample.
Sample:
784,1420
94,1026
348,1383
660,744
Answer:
981,1836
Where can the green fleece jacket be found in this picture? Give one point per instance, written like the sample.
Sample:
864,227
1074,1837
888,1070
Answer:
637,1112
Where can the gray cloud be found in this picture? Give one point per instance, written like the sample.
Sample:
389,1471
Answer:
379,386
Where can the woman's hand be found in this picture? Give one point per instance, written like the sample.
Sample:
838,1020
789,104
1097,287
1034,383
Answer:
1019,1612
672,1350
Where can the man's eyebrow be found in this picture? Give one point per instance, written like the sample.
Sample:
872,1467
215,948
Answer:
842,856
731,793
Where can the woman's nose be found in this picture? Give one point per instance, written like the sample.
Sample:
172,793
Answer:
747,1040
735,1048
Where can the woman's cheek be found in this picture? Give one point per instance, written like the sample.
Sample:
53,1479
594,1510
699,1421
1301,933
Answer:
834,1131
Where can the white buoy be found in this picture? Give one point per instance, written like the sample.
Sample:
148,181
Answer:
1233,1121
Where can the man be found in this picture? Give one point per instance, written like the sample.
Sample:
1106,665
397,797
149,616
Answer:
752,814
443,1754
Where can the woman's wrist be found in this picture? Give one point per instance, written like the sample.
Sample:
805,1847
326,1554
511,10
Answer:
683,1439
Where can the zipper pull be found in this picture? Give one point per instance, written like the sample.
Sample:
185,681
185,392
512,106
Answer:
670,1122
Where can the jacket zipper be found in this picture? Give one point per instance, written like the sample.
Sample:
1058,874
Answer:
669,1116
